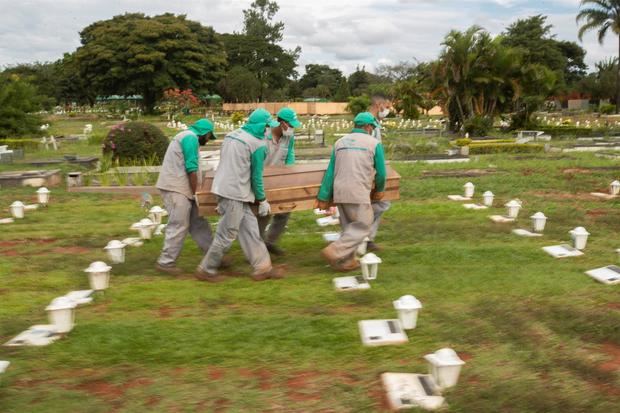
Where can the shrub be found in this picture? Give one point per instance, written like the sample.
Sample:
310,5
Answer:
478,125
358,104
607,109
490,148
237,117
463,142
27,144
135,141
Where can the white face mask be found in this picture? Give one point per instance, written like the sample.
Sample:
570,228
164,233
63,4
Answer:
288,132
382,114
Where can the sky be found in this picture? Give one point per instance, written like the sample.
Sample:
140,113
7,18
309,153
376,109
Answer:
342,33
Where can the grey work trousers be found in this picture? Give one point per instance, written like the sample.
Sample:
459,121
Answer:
378,208
355,220
276,229
237,221
183,217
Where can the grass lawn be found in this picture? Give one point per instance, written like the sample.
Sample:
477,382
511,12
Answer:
537,334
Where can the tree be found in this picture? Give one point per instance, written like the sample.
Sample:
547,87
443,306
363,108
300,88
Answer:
602,15
256,21
240,85
322,76
18,99
359,81
137,54
358,104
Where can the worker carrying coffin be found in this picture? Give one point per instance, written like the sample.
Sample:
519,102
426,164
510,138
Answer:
357,162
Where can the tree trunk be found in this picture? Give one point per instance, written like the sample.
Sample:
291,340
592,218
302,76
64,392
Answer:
618,80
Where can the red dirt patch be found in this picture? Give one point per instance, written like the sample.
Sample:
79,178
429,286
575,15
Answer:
71,250
573,171
299,385
465,356
11,253
15,242
216,373
165,312
613,306
613,351
152,401
555,195
102,389
595,213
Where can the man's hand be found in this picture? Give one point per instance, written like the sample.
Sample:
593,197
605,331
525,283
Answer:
193,181
264,208
324,205
377,196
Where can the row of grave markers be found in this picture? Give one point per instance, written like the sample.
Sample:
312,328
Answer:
61,311
579,235
403,390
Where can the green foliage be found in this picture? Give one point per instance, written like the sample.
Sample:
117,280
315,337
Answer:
237,117
323,78
408,98
571,131
240,84
491,148
257,21
463,142
358,104
478,125
134,53
18,99
607,109
27,144
135,141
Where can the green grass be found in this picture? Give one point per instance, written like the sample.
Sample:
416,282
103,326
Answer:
536,332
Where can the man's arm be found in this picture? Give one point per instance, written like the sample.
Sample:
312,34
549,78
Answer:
290,155
381,173
326,192
189,146
193,181
256,161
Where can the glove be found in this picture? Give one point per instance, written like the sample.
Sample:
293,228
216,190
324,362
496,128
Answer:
264,208
324,205
377,196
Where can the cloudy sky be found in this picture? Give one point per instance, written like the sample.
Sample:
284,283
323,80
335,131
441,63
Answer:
342,33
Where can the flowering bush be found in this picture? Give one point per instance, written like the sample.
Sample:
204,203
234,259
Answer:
178,100
135,141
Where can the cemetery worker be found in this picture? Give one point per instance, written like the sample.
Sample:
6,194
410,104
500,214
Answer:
379,107
238,183
280,151
177,183
357,161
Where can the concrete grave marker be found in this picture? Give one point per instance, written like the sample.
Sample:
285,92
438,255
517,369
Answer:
7,221
539,220
512,209
61,314
133,242
160,229
145,228
501,219
43,195
580,237
445,366
525,233
116,251
17,209
31,207
606,275
475,206
382,332
488,198
469,190
458,198
407,391
351,283
38,335
156,214
370,266
80,297
562,251
407,307
4,365
98,275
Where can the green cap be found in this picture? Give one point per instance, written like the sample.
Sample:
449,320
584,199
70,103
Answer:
289,116
365,118
202,127
261,116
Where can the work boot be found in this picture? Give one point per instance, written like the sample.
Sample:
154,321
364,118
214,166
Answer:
203,275
274,249
169,269
350,264
273,273
372,247
329,255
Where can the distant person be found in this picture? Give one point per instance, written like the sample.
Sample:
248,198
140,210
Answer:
380,109
357,162
238,183
281,151
177,183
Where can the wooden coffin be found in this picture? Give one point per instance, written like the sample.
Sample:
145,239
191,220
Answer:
290,188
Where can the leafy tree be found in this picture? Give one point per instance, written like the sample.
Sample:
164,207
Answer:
321,75
44,77
257,21
240,85
358,104
18,99
342,92
603,16
359,81
137,54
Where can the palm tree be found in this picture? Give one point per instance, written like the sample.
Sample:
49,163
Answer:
602,15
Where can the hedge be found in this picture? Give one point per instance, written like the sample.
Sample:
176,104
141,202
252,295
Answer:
29,144
489,148
573,131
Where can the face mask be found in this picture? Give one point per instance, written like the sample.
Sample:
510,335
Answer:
383,113
289,132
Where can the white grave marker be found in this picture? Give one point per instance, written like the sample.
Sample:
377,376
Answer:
580,237
43,195
406,391
539,220
501,219
408,307
487,198
351,283
382,332
606,275
17,209
4,365
331,236
39,335
445,366
61,314
7,221
475,206
156,213
329,220
469,190
80,297
116,251
458,198
562,251
525,233
512,209
98,275
370,266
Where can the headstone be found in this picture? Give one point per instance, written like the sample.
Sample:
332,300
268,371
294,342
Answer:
562,251
407,391
382,332
606,275
351,283
38,335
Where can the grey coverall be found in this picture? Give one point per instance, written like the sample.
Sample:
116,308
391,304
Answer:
238,183
378,207
173,184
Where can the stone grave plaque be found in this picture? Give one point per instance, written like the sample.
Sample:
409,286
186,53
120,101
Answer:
382,332
407,391
351,283
525,233
474,206
81,296
500,219
38,335
606,275
562,251
458,198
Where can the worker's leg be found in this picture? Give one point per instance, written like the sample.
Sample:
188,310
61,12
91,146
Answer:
378,208
199,229
262,224
227,230
277,227
251,242
179,210
358,218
